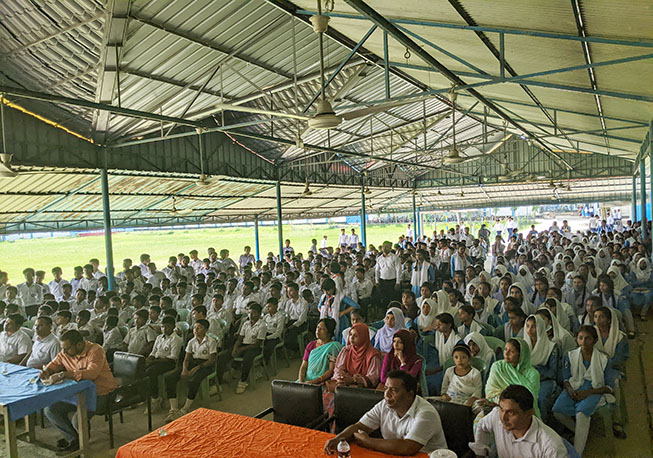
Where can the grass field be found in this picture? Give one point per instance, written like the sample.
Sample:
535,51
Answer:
68,252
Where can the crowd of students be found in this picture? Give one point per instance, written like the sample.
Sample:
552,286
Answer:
550,312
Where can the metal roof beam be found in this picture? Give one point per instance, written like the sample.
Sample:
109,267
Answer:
505,30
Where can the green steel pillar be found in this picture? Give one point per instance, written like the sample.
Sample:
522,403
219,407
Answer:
642,189
363,217
418,228
633,207
257,244
415,223
279,220
107,227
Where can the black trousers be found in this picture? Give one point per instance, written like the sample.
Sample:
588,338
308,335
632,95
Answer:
387,291
154,370
193,381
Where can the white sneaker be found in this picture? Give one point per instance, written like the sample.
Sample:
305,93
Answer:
156,405
180,413
172,415
242,386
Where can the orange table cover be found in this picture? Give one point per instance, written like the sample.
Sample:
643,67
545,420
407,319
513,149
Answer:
210,433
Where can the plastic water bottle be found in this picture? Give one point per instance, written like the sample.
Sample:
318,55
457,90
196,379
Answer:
344,451
162,432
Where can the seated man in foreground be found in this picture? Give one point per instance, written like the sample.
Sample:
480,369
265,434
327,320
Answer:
517,431
409,424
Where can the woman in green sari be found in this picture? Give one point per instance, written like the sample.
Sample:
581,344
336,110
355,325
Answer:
514,369
320,355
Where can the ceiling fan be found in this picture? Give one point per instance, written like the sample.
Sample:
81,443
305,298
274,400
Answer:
454,156
307,191
5,166
178,212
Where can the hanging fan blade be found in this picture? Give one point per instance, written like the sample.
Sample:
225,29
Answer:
246,109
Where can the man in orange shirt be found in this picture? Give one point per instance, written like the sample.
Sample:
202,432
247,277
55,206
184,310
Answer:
77,360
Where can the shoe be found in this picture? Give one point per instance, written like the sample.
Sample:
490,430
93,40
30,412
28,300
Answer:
72,446
180,413
62,444
155,406
643,317
618,431
631,335
259,374
172,415
242,386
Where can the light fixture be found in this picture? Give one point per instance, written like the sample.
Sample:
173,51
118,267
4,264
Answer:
439,192
5,166
454,156
367,191
176,211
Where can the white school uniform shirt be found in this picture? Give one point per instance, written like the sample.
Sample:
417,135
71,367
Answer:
353,240
421,423
181,302
296,311
57,288
363,288
540,441
274,325
202,350
461,388
30,294
240,304
13,345
251,333
138,338
168,346
112,339
43,351
89,284
343,239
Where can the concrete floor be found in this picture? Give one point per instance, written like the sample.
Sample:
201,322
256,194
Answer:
638,394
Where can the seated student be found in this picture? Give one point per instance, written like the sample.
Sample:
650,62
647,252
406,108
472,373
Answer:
45,347
426,322
556,333
78,360
336,305
274,324
356,317
544,357
462,383
514,327
85,327
445,341
481,314
15,345
466,314
99,312
162,359
358,363
154,320
198,363
320,355
250,338
585,373
409,424
592,304
610,298
140,337
64,323
479,348
515,431
393,322
112,337
409,307
514,369
215,328
219,311
403,356
296,310
563,311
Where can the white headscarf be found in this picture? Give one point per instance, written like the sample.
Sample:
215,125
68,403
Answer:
445,346
426,320
614,337
485,352
561,336
385,335
444,304
541,350
642,274
594,372
525,278
526,305
619,281
602,263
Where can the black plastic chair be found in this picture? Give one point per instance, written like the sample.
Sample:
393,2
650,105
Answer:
129,372
350,405
457,423
298,404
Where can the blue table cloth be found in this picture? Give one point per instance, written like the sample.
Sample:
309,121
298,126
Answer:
23,392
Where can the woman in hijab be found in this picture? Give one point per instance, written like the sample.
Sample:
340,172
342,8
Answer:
359,363
644,280
519,292
479,348
503,289
539,294
445,339
443,302
544,357
556,333
426,318
394,321
525,277
403,356
609,298
514,369
585,373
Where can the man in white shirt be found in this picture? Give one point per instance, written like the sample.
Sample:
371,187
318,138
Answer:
30,294
409,424
97,273
140,338
515,430
387,273
296,310
246,258
45,347
275,322
56,285
323,245
163,358
89,282
410,234
343,239
15,345
353,239
250,338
